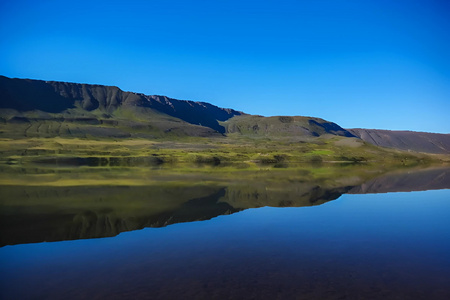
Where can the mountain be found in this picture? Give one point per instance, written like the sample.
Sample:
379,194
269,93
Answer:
406,140
39,108
36,108
105,105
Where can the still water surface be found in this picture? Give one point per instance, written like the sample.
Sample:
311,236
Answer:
390,245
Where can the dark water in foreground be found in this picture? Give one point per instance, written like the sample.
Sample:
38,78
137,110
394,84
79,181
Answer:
360,246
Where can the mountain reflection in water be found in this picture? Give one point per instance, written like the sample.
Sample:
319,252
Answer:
38,213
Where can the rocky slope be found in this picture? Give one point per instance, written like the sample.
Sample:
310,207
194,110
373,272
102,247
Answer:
406,140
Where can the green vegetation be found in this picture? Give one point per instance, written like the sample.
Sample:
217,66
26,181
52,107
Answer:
75,161
215,151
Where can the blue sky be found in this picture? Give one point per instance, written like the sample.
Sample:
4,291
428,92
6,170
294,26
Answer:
371,64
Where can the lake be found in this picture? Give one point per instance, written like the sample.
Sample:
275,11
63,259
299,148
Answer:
346,232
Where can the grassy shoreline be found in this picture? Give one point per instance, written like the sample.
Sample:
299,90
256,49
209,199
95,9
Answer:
74,161
205,150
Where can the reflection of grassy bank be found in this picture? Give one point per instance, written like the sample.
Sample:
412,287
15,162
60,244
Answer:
51,204
184,173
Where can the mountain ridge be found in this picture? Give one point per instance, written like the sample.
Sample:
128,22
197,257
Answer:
85,102
23,95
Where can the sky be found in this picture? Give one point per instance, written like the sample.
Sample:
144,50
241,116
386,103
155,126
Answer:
362,64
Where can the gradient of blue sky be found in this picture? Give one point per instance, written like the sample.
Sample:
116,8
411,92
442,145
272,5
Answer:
372,64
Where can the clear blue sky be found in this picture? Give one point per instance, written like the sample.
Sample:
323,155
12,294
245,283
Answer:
371,64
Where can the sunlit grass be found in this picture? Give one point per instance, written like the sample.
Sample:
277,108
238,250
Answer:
190,154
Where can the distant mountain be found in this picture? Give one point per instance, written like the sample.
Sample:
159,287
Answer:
406,140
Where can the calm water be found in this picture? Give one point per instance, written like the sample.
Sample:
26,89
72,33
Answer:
328,241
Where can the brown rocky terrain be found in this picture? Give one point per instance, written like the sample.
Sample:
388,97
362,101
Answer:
406,140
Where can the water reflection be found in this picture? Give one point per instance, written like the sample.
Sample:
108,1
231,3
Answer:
376,246
59,210
406,181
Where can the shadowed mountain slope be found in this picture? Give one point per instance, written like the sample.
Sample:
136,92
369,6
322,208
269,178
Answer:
57,97
406,140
